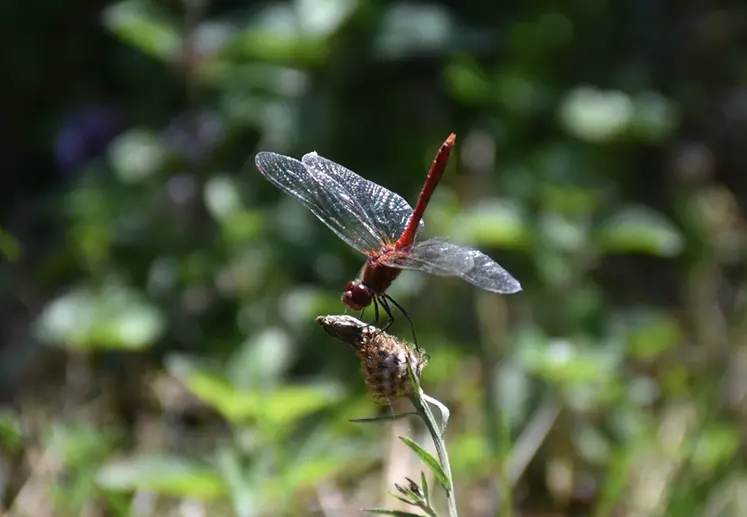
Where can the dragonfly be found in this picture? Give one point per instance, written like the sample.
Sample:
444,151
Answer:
382,226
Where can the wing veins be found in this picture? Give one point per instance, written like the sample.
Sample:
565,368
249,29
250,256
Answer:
325,197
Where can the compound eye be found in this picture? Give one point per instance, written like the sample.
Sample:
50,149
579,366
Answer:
357,296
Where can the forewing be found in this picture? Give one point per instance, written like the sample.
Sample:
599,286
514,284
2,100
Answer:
447,259
325,196
388,211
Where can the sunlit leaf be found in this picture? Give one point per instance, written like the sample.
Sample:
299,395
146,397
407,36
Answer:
77,445
596,116
409,28
561,232
136,155
495,223
166,475
323,17
311,472
638,229
513,391
222,197
280,48
715,446
569,362
142,29
114,316
592,444
467,453
291,403
431,462
279,406
214,389
243,491
261,360
276,35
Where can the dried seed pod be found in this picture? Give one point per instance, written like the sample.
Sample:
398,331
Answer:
383,357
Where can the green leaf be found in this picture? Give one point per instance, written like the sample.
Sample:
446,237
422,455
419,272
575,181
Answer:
133,24
166,475
324,17
384,418
262,360
443,412
113,317
429,460
136,155
408,29
638,229
79,445
404,499
494,223
277,407
649,333
9,246
397,513
596,116
715,447
10,431
467,82
424,486
214,389
290,404
243,492
311,472
467,453
275,37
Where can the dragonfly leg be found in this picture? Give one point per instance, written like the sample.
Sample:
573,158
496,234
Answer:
376,314
383,300
404,313
376,311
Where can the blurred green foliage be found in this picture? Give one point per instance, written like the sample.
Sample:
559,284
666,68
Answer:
159,354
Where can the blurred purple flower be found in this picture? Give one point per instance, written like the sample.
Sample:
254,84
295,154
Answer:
85,134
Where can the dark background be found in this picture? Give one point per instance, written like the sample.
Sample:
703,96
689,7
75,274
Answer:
158,351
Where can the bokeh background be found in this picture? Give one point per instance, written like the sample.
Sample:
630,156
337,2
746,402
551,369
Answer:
158,351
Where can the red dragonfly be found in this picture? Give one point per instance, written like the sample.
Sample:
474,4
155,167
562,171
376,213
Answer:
381,225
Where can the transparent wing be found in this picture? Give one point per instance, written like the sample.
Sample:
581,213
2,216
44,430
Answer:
327,198
388,211
442,258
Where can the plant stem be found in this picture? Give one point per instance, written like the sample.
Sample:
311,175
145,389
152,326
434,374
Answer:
424,410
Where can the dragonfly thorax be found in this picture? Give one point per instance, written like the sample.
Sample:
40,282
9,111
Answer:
357,295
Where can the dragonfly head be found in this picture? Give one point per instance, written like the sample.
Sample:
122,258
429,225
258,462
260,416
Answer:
357,296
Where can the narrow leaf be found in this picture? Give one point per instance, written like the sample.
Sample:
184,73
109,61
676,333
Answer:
424,486
397,513
404,499
396,416
429,460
